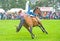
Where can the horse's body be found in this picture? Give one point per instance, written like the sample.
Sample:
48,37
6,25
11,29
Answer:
30,22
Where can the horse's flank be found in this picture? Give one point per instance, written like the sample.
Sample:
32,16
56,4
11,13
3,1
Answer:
31,21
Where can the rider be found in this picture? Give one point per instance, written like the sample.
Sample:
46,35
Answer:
32,14
21,16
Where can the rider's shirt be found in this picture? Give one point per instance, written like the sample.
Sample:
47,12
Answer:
22,14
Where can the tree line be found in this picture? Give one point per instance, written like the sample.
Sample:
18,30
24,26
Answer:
8,4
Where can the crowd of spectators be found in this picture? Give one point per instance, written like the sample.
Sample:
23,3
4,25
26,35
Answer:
50,15
45,15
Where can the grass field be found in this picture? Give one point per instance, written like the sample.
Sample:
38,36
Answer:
8,31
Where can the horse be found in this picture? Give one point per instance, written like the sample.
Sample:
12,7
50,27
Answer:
30,22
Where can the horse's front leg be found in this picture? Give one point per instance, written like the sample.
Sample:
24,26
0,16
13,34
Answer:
30,30
42,28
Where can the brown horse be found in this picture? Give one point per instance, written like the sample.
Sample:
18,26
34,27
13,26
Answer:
30,22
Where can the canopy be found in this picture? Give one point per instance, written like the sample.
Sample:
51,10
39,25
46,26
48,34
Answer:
14,10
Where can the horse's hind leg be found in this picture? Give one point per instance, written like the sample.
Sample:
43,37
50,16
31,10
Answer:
30,30
20,25
42,28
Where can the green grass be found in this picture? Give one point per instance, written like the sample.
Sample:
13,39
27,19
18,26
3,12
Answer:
8,31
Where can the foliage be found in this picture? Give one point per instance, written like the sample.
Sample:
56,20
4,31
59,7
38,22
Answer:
8,4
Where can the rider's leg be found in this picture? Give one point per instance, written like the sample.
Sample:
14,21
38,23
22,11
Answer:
20,24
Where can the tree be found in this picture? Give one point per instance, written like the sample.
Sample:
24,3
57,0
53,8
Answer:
8,4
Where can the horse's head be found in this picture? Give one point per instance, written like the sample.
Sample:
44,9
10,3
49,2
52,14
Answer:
37,11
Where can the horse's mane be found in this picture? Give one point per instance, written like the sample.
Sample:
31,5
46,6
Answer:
35,9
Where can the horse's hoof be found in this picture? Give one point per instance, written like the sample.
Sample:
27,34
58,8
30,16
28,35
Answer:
33,36
46,32
17,30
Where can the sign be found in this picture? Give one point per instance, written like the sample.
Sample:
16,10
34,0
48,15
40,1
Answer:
46,8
